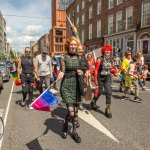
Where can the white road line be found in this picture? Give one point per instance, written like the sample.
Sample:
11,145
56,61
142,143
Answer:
90,119
6,113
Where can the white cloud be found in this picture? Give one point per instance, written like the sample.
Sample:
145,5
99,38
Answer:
20,30
34,29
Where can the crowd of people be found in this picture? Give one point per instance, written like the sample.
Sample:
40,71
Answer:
75,64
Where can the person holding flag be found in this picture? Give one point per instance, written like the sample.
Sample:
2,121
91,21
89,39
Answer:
69,64
27,76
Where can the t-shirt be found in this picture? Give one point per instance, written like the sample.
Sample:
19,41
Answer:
44,65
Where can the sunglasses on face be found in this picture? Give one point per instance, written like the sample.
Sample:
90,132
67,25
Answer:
27,51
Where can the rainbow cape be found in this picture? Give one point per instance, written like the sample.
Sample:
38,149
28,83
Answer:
45,101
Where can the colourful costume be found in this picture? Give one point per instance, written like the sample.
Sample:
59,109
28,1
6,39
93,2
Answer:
102,74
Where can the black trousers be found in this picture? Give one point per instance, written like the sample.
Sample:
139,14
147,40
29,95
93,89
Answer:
27,85
104,82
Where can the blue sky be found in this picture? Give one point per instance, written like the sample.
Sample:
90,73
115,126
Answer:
21,30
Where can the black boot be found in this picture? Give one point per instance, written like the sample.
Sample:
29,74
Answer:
64,130
108,113
93,105
76,137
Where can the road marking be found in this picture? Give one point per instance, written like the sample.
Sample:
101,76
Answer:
1,112
90,119
6,113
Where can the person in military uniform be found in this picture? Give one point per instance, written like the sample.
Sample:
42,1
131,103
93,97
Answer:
69,64
102,78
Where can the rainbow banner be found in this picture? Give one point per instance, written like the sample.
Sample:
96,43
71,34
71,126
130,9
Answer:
45,101
73,28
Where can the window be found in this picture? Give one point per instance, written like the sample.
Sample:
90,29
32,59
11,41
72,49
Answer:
129,17
90,31
111,4
99,7
58,32
82,36
119,2
61,4
119,21
83,19
83,4
99,28
110,24
77,8
90,12
77,23
146,13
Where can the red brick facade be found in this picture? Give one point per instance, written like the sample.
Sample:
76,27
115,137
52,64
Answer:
131,34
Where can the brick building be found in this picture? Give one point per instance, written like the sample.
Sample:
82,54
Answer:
58,31
124,24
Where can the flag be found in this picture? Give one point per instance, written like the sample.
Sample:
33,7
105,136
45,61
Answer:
45,101
15,78
119,77
14,75
73,28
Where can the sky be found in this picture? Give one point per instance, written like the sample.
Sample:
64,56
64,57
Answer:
21,30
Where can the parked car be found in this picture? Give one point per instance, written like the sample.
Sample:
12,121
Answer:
1,81
5,72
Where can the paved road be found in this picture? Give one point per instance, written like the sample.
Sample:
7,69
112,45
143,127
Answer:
34,130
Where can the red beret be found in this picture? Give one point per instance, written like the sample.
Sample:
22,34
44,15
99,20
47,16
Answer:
106,47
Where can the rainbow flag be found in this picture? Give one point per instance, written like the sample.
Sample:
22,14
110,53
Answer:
14,75
45,101
119,77
73,28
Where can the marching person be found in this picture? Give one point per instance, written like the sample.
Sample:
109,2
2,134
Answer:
83,66
44,66
131,78
102,78
28,66
54,70
69,90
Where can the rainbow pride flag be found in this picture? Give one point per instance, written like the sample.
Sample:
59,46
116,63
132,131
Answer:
73,28
14,75
45,101
119,77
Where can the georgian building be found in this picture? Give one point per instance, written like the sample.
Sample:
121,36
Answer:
124,24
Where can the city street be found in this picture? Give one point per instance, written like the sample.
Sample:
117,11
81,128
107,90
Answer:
36,130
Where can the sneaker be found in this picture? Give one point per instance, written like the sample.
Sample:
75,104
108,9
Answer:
123,98
136,98
23,103
93,105
81,107
64,131
76,137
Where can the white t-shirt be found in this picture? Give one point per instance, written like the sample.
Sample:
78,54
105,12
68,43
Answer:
44,65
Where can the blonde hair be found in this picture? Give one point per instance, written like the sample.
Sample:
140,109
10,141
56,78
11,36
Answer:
71,38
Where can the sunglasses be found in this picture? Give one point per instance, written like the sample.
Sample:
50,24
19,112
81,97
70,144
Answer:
27,51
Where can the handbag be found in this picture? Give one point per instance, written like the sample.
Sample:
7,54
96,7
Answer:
88,94
82,85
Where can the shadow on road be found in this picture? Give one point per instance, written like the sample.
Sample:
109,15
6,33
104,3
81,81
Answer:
56,122
34,145
88,107
18,92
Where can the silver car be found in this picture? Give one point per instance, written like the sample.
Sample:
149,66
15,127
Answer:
5,72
